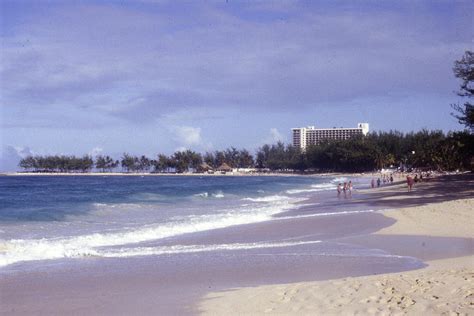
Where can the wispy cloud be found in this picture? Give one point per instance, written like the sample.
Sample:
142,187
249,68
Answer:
274,137
96,151
10,156
187,135
116,69
139,64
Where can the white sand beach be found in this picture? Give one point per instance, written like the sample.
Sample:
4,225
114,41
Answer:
444,287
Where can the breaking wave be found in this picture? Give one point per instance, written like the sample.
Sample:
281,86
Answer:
92,244
313,188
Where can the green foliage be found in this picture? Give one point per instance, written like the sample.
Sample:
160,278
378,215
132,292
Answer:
356,154
105,163
57,163
183,161
464,70
280,157
423,149
231,156
163,163
129,163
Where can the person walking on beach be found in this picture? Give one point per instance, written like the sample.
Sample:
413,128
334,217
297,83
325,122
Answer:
349,187
378,182
391,178
409,183
339,189
372,183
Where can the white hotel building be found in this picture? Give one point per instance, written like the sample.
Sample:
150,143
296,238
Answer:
306,136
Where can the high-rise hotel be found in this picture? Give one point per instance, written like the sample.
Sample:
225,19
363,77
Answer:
307,136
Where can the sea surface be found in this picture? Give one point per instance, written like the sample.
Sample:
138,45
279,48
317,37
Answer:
46,219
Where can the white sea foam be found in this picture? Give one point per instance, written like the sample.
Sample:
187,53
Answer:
339,180
328,214
313,188
120,206
270,198
87,245
218,195
186,249
202,194
178,249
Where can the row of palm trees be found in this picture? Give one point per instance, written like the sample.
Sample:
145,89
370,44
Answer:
429,149
180,161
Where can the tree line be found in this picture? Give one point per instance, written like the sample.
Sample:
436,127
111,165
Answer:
424,149
180,161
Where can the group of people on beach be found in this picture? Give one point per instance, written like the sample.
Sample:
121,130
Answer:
412,180
347,187
385,179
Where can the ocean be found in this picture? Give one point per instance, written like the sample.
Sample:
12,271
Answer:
64,219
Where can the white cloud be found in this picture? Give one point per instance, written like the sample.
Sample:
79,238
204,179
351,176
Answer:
137,65
96,151
187,135
217,66
10,156
276,135
23,151
180,148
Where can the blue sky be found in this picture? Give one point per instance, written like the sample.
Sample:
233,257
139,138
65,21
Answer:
157,76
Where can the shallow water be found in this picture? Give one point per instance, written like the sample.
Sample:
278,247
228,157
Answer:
159,243
48,217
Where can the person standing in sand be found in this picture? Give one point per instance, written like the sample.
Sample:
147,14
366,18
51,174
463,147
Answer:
372,183
339,188
378,182
409,183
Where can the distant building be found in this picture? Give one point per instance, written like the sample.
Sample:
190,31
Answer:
306,136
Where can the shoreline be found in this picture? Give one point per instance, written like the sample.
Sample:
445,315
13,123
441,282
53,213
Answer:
445,285
179,284
397,175
196,174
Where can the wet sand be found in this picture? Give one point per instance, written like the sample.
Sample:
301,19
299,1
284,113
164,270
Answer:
433,224
193,283
174,284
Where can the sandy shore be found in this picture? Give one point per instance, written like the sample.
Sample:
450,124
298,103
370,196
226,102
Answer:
439,208
433,224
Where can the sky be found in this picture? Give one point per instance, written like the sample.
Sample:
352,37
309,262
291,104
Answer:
148,77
